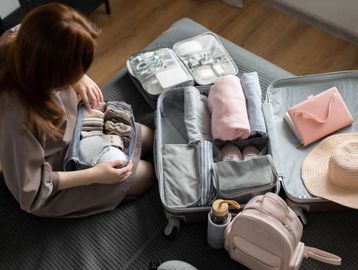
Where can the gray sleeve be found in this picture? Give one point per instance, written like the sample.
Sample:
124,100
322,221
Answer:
28,176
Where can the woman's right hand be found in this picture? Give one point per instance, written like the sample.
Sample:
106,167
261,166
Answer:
107,172
102,173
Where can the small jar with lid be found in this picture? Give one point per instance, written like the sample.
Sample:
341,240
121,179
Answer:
218,218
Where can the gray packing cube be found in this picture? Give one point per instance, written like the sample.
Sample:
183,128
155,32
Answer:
243,179
72,160
283,94
171,141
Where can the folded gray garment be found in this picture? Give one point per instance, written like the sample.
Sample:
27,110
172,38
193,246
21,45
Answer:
114,140
96,149
204,156
120,129
117,115
180,179
92,149
231,176
117,129
112,154
119,105
196,115
251,86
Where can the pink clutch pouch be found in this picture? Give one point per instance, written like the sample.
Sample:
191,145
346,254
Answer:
318,116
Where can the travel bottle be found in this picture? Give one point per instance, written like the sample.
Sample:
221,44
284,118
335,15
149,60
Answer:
218,218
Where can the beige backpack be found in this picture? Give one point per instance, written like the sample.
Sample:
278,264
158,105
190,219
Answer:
266,235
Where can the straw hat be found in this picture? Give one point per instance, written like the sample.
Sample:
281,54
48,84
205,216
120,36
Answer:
330,170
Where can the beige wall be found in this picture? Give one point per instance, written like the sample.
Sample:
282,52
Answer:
342,14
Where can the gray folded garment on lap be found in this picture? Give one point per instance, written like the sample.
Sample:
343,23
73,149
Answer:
95,149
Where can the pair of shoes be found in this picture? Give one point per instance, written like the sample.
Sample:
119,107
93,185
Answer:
231,152
250,151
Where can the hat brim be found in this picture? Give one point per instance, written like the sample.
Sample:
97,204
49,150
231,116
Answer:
315,168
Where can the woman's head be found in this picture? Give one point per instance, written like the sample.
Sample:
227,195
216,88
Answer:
54,48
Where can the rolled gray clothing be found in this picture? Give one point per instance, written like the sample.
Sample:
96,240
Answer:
114,140
120,129
90,128
117,129
118,112
118,116
196,115
251,86
119,105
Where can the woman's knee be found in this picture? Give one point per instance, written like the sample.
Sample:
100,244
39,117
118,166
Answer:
143,179
147,139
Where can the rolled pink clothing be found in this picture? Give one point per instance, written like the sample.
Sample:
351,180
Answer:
227,105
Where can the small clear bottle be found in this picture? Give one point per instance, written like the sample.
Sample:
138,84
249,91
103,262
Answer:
218,218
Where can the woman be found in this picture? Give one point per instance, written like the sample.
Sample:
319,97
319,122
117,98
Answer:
42,71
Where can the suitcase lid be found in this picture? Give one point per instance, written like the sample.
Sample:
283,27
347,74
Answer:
283,94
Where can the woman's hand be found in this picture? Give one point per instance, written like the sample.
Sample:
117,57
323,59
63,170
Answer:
102,173
89,91
107,173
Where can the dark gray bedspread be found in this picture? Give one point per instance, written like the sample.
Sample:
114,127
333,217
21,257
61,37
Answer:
131,237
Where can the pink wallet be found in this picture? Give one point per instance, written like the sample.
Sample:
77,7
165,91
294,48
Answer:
318,116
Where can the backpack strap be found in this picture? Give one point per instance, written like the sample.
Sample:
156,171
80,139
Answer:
322,256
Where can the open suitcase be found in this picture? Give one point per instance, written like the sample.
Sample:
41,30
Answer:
171,132
283,94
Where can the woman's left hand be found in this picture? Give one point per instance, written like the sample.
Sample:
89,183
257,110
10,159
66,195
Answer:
89,91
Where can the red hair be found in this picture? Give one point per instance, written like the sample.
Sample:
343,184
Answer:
53,48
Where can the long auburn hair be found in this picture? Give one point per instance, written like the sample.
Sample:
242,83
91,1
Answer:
53,48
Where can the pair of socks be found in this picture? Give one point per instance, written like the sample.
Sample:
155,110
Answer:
118,112
117,120
92,124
